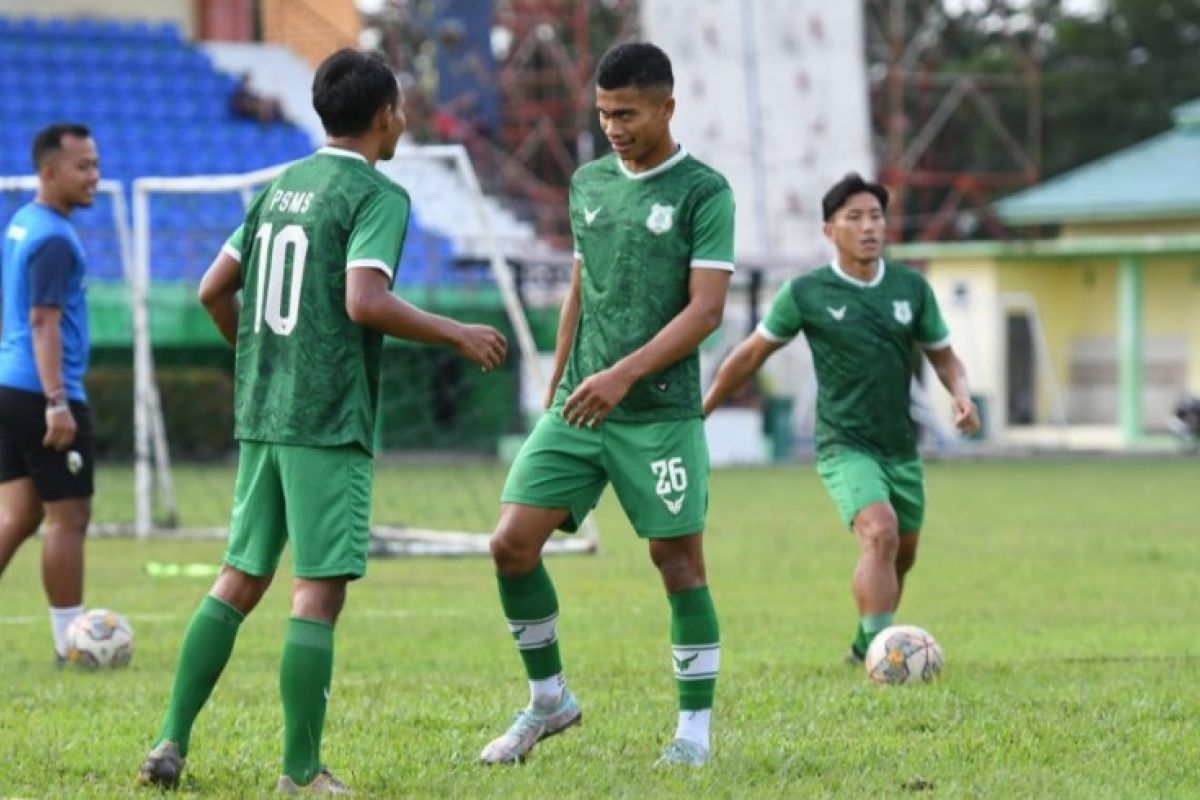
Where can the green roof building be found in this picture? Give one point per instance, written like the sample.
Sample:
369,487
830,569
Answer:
1086,339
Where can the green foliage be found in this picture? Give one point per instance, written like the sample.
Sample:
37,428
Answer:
1111,82
197,407
1063,593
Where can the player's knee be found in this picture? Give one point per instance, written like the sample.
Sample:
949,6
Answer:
21,522
69,518
879,534
240,589
680,568
318,599
512,555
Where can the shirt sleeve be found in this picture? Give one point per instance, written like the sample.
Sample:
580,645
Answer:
712,232
931,330
50,267
378,235
572,212
783,320
233,245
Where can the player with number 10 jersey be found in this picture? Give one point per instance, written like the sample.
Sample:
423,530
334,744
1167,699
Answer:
314,263
306,374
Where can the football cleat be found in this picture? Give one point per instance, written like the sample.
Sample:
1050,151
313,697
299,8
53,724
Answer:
683,751
529,727
162,767
323,783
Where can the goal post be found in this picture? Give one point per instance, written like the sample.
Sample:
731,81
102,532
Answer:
437,485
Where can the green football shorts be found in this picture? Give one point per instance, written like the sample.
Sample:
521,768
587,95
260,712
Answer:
659,471
318,498
855,480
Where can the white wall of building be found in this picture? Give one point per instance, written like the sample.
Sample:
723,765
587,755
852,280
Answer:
814,120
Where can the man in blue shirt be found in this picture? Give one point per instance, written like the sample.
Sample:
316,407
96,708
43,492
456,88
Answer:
46,442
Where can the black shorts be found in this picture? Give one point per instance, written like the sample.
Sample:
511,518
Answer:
57,475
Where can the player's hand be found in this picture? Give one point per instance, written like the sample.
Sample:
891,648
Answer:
60,427
966,416
483,345
595,398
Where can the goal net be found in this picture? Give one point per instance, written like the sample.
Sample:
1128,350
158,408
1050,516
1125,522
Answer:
444,426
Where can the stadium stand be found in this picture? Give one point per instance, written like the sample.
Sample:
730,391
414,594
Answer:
157,106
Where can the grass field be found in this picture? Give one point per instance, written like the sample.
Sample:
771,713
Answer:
1063,592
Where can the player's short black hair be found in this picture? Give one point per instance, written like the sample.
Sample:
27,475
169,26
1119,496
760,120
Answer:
637,64
348,90
49,140
846,188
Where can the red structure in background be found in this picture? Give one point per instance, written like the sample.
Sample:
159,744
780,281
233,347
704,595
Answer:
942,185
545,80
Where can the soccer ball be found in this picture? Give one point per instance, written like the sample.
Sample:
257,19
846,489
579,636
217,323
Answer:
903,654
99,639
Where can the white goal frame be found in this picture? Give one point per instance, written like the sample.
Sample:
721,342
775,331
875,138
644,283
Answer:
152,459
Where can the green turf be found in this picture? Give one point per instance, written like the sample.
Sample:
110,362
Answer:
1063,593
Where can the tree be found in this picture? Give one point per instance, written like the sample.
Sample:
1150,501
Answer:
1112,80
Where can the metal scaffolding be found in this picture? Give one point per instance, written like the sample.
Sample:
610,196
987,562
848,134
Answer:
923,108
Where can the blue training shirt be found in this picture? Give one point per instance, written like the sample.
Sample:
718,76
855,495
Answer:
42,263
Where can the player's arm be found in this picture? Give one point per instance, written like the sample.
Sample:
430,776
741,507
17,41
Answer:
219,288
371,254
50,268
953,375
600,393
933,335
568,323
738,367
370,303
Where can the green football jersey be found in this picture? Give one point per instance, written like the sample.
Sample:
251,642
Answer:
306,374
862,337
638,236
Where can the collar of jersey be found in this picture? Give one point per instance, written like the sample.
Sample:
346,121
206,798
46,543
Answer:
337,151
679,155
837,270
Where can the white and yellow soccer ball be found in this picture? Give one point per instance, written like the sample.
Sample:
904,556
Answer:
903,654
99,639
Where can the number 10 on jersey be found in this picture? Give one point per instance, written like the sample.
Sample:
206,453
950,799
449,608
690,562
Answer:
277,255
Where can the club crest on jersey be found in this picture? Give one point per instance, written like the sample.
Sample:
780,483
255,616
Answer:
661,219
902,311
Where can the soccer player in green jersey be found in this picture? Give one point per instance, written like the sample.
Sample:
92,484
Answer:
862,317
314,262
653,230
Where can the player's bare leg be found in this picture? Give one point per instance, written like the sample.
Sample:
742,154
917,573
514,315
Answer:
206,648
62,551
305,681
20,515
906,557
531,609
875,584
695,644
63,533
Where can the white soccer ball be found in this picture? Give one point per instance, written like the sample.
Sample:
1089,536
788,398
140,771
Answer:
99,639
903,654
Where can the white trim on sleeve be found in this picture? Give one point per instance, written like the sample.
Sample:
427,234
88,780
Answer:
712,263
942,345
370,263
229,250
762,331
